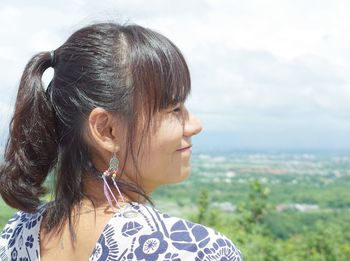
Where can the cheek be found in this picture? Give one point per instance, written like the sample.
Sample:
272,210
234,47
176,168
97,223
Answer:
159,162
169,138
162,154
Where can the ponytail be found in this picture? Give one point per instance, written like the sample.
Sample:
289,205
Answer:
31,148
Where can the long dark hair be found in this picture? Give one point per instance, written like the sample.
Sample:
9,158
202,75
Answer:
121,68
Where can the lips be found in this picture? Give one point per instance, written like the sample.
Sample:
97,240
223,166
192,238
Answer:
185,148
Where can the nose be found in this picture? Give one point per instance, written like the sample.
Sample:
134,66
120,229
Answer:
192,125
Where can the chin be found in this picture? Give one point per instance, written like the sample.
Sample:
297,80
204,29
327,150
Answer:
184,175
179,177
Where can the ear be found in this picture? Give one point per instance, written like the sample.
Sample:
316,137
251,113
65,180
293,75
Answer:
104,130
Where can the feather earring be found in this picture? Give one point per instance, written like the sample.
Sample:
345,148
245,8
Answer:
111,173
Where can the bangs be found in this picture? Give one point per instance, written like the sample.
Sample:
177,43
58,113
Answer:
160,75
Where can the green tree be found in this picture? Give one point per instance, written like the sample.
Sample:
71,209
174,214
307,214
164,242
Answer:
202,204
253,211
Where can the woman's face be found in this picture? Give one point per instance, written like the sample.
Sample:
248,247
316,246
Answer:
160,161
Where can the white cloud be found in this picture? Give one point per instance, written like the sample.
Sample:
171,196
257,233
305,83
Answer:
254,64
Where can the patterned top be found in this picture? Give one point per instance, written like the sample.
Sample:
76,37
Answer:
136,232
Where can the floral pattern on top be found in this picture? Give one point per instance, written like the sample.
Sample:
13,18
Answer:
136,232
19,239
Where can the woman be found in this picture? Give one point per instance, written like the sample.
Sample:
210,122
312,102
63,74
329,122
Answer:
111,128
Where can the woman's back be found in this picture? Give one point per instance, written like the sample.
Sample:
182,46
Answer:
136,232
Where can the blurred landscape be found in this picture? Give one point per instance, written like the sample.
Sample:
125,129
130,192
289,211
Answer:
273,206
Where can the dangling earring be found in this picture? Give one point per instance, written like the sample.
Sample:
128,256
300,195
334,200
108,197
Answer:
111,172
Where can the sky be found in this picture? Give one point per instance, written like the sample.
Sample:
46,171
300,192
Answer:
270,74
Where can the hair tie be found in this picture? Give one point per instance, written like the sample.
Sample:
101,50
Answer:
52,54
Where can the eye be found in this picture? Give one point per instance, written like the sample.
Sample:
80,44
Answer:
177,109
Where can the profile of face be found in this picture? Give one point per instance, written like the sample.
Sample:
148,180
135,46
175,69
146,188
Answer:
160,161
